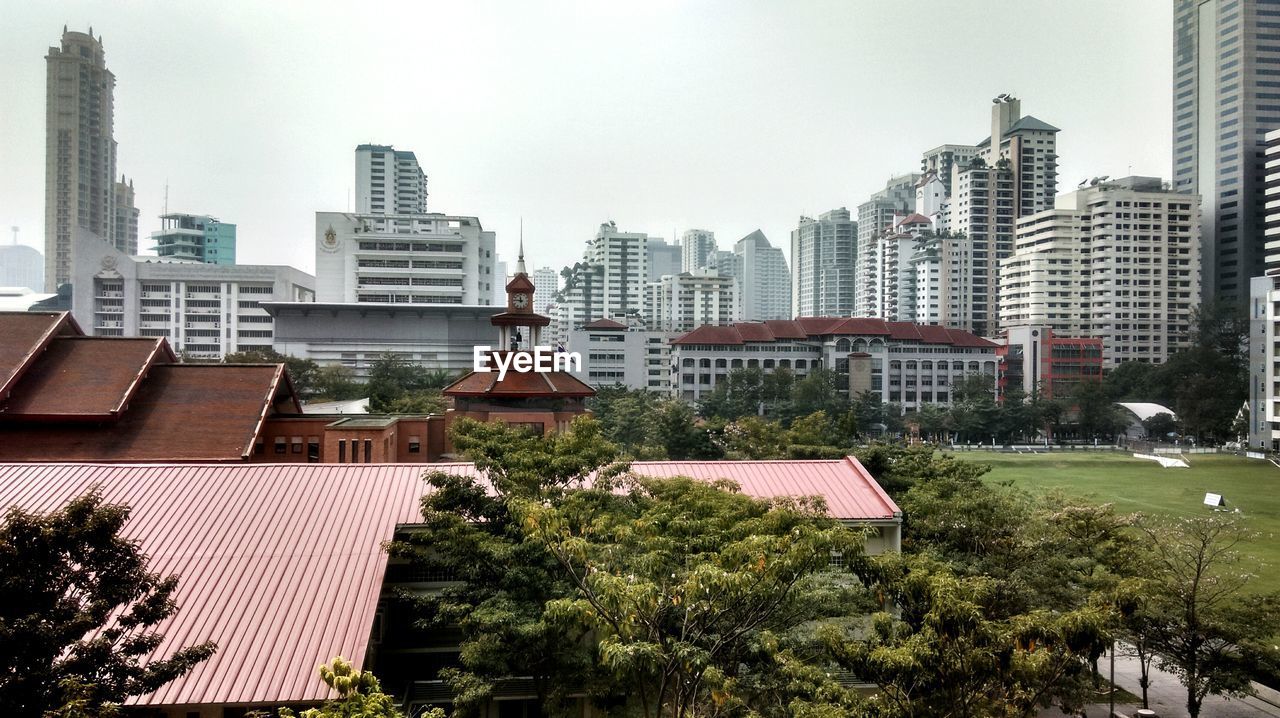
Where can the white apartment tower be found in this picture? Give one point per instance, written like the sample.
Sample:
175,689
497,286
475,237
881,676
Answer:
822,265
546,282
698,247
1118,261
80,189
609,283
763,280
389,181
875,218
685,301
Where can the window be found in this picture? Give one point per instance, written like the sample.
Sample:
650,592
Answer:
313,449
296,443
415,444
368,450
281,445
342,452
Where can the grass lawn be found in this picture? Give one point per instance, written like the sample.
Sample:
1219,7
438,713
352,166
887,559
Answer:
1251,485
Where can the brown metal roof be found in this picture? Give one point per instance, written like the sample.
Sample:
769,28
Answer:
804,327
84,378
604,324
25,335
181,412
281,564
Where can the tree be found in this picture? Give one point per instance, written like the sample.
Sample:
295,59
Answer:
739,393
301,371
1159,426
335,382
820,390
504,579
754,438
78,610
1194,615
359,696
684,582
1096,415
393,378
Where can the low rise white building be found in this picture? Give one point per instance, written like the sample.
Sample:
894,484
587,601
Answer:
206,311
404,259
680,302
907,364
614,353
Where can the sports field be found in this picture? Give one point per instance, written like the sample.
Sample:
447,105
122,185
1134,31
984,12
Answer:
1251,485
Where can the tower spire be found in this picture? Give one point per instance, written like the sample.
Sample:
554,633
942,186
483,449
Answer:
520,261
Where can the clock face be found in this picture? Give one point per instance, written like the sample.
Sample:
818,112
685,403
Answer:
520,301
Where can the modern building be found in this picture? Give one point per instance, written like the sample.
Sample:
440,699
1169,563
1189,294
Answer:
80,153
875,218
614,353
663,259
942,160
822,265
762,277
1037,361
547,280
324,527
681,302
698,249
125,225
609,283
389,181
195,238
206,311
906,364
1226,96
21,266
894,275
404,259
1264,316
357,335
1117,261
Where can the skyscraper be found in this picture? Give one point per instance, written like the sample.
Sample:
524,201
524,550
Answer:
764,283
1226,96
389,181
875,217
663,258
125,224
822,271
699,249
80,150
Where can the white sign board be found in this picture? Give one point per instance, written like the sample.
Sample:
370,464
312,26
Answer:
1213,500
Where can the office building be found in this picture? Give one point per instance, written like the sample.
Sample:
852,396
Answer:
698,249
615,353
389,181
663,259
205,311
1226,96
762,277
125,224
907,364
822,265
404,259
875,217
195,238
680,302
1117,261
547,280
80,152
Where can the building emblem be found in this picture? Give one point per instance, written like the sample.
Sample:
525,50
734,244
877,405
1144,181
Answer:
330,241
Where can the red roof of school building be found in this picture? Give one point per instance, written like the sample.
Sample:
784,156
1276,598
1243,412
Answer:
604,324
26,334
282,564
806,327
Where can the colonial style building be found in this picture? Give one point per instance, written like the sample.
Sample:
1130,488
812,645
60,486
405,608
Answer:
906,364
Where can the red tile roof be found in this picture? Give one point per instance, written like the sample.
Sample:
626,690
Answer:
84,378
755,332
281,564
604,324
805,327
26,334
183,412
516,384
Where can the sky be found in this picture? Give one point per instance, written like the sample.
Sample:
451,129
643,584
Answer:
661,115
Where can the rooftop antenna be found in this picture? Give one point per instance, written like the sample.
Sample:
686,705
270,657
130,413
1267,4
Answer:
15,234
166,195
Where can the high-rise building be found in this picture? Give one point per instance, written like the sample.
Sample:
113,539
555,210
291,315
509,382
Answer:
546,281
389,181
698,249
875,217
609,283
1264,315
1226,96
822,271
80,151
195,238
404,259
763,280
681,302
125,223
1118,261
663,259
21,266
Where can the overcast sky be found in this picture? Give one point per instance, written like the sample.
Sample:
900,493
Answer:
660,115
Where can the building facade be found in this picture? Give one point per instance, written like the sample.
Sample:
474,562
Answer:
1037,361
614,353
822,265
875,218
663,259
80,152
547,280
906,364
762,277
697,249
124,229
1226,96
389,181
205,311
611,282
21,266
1264,316
1118,261
195,238
404,259
681,302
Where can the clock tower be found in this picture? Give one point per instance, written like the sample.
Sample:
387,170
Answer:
520,328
